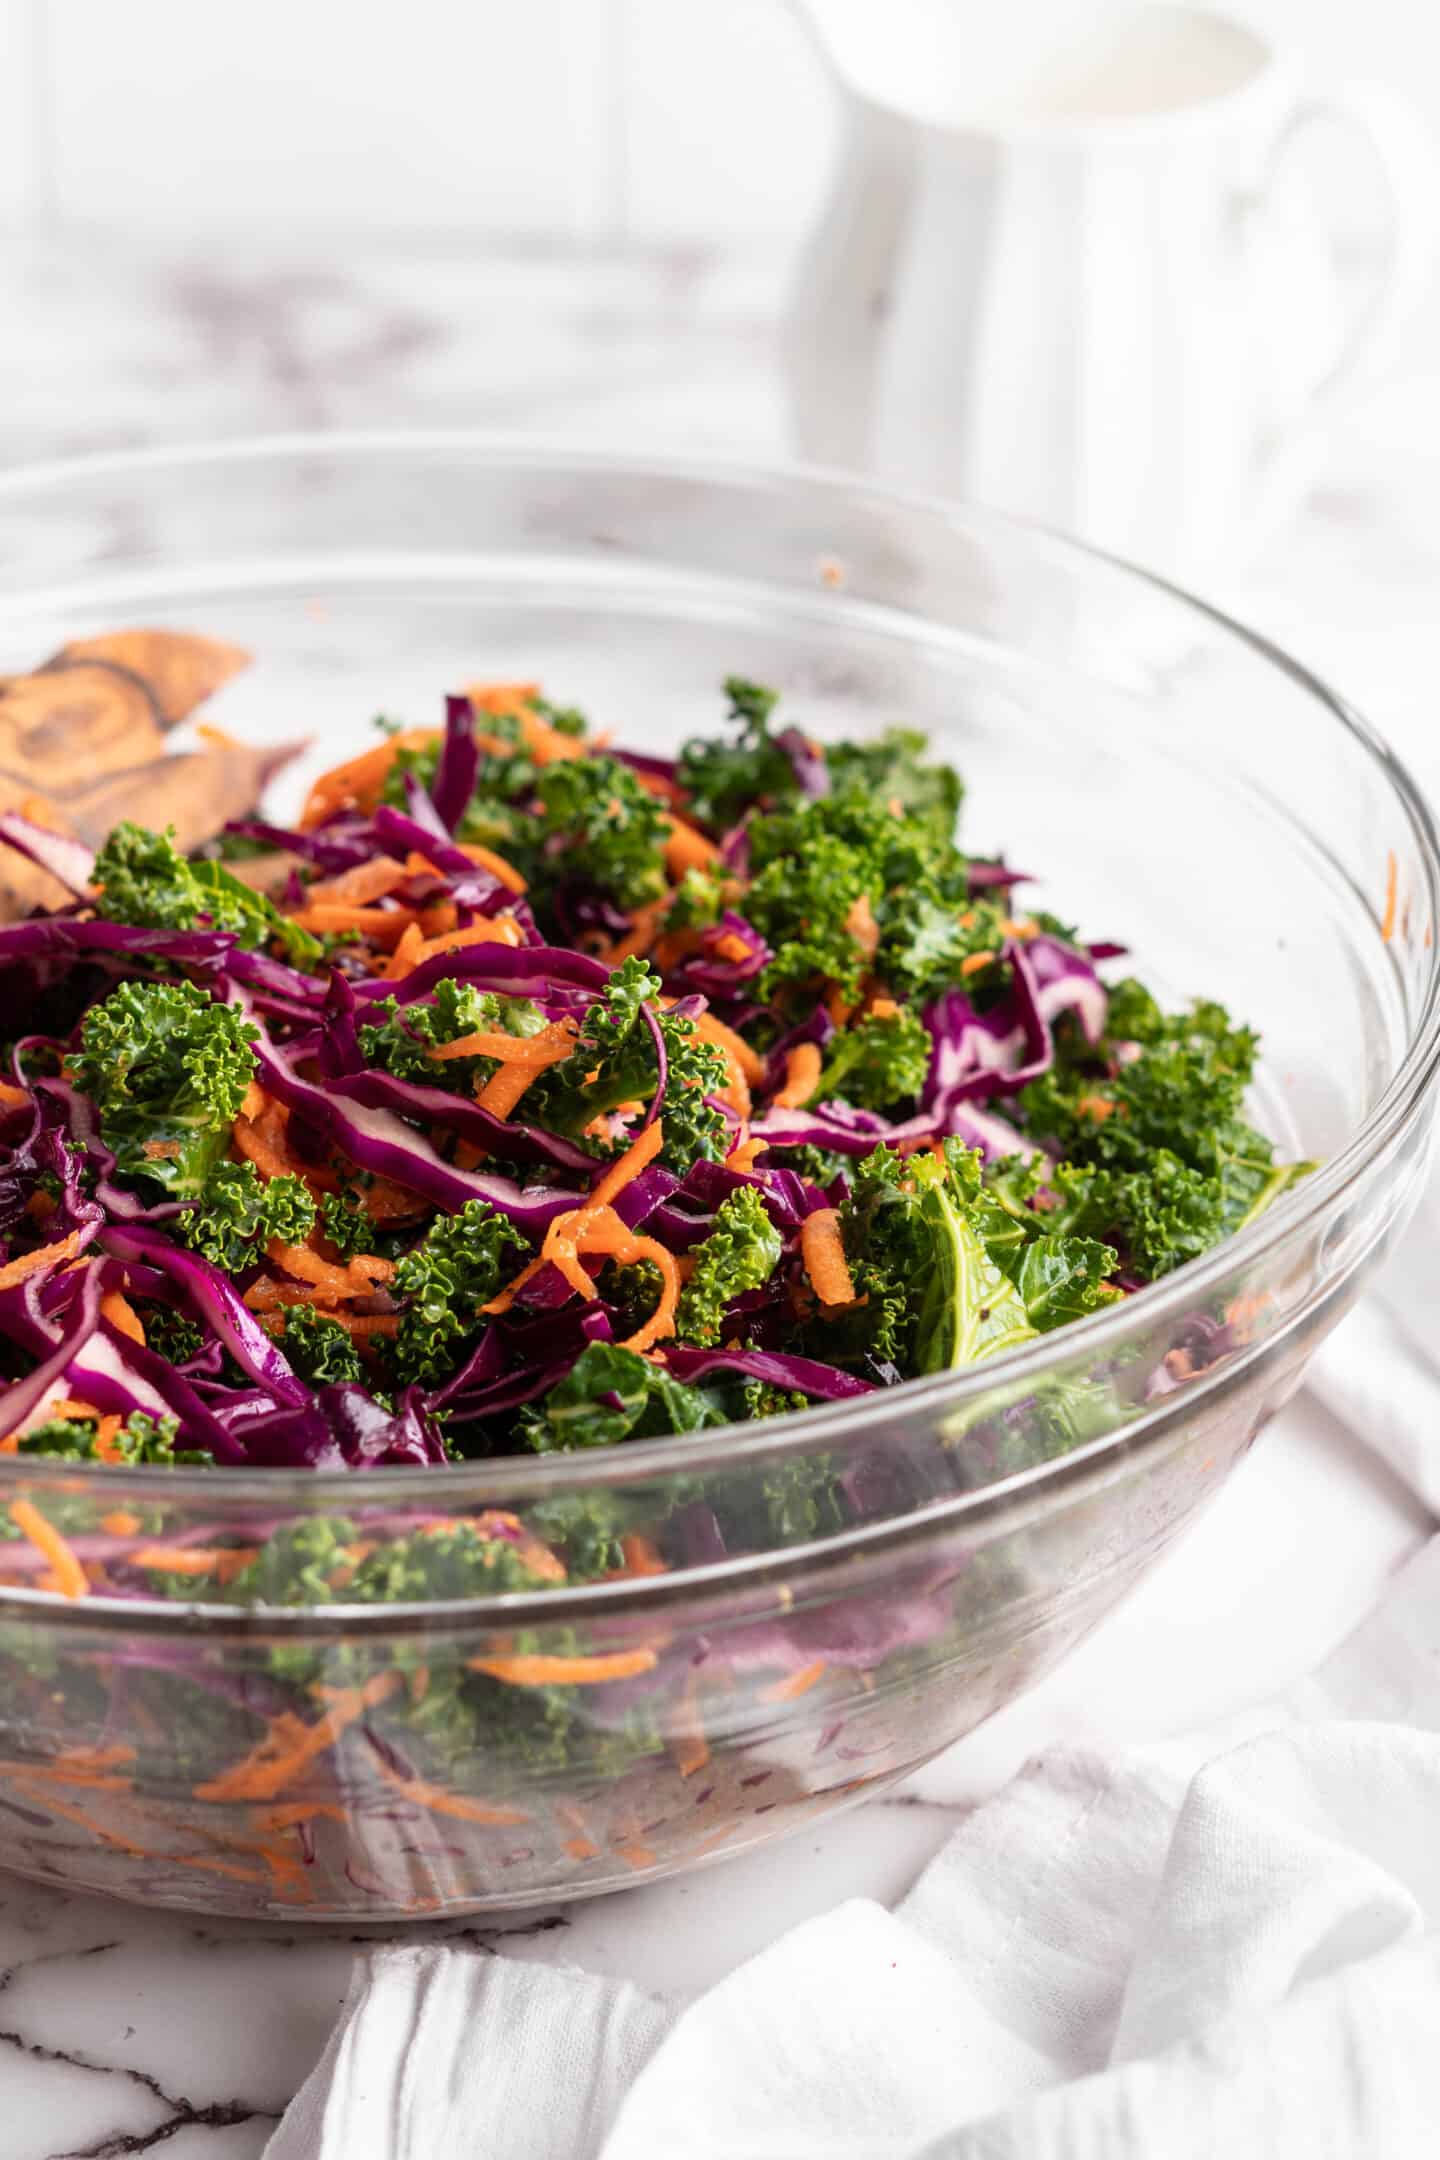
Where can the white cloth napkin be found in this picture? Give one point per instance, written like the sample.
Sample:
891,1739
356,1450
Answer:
1226,1943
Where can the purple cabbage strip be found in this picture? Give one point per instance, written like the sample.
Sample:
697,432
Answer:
48,936
470,885
455,774
1064,980
662,1063
378,1141
807,762
516,1388
458,1114
207,1295
333,848
825,1383
116,1374
21,1397
70,862
533,971
992,876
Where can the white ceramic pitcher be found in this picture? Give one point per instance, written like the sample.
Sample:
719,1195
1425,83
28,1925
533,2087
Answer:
1073,264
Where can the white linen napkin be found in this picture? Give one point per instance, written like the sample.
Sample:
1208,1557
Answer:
1225,1942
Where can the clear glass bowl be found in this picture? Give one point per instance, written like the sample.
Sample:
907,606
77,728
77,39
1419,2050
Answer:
886,1574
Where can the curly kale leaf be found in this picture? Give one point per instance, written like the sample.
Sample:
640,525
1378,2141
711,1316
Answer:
724,778
892,770
828,871
615,1062
877,1061
457,1267
401,1040
933,1295
598,823
141,1439
347,1224
612,1394
239,1213
741,1253
1160,1216
145,880
319,1348
167,1068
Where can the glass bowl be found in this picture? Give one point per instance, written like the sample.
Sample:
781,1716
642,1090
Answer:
850,1589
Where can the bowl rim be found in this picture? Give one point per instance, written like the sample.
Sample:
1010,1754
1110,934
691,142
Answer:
522,1479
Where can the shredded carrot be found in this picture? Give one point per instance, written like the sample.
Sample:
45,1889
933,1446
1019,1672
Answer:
1096,1107
486,858
64,1248
107,1433
290,1743
488,930
862,926
638,939
539,1671
711,1030
662,1321
731,947
253,1144
689,1748
406,952
122,1316
356,784
306,1266
378,926
1392,887
794,1684
687,849
441,1802
802,1076
1023,929
551,1047
358,887
12,1098
636,1158
120,1523
503,1090
822,1250
838,1007
642,1555
224,1561
69,1576
744,1155
580,1848
502,700
883,1008
637,1856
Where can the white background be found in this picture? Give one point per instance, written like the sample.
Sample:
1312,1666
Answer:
589,121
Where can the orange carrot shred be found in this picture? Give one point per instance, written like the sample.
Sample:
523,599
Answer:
441,1802
506,1298
405,954
637,1156
69,1576
642,1555
711,1030
862,926
794,1684
43,1256
503,1090
120,1523
975,961
290,1743
486,858
537,1670
551,1047
12,1098
802,1076
687,849
107,1432
122,1316
1392,888
356,784
822,1250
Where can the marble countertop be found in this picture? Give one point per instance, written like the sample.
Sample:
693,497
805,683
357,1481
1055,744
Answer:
130,2031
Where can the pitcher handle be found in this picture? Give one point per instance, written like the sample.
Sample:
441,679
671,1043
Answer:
1407,161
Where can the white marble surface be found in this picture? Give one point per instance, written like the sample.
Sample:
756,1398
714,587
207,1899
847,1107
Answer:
125,2032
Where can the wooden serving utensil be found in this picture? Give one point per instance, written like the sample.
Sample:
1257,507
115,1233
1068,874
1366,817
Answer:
82,745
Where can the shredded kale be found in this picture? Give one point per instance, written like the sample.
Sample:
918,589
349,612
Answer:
320,1349
458,1266
877,1061
145,880
741,1253
401,1040
612,1394
141,1439
239,1213
167,1068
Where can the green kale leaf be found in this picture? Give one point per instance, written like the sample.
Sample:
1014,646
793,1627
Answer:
239,1213
148,882
167,1068
741,1253
877,1061
458,1266
612,1394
